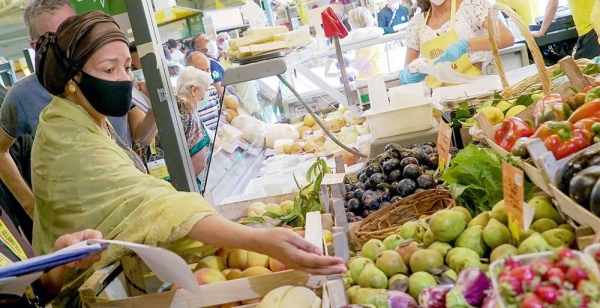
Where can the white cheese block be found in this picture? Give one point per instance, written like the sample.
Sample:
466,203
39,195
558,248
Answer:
268,30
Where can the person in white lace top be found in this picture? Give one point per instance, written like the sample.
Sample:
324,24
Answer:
455,31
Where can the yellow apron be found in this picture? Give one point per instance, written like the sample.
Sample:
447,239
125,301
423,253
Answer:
434,48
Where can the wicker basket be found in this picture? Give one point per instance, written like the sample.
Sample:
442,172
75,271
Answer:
513,91
389,220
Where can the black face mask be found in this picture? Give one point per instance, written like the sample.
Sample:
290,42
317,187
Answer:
110,98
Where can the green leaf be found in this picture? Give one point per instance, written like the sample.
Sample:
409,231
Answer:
463,111
497,98
271,215
524,100
468,122
591,69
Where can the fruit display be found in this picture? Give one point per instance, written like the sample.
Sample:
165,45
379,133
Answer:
580,179
443,258
395,174
290,296
559,279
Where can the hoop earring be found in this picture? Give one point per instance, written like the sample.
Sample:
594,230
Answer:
71,88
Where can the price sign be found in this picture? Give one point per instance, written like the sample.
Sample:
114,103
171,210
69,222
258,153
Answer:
443,145
512,184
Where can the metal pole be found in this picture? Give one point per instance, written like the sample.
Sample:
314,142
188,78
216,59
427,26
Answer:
166,113
342,65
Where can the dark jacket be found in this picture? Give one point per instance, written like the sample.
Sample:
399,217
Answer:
384,18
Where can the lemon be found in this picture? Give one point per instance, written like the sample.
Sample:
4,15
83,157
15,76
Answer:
493,114
309,120
296,148
515,110
503,105
287,149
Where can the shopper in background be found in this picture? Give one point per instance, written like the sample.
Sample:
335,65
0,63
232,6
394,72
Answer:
223,45
75,153
21,108
176,54
587,43
453,31
202,62
367,61
202,43
392,16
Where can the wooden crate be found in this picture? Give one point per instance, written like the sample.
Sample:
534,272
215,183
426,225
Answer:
332,291
236,210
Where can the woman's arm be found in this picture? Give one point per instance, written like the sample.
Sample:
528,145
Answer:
411,55
142,126
279,243
199,161
482,43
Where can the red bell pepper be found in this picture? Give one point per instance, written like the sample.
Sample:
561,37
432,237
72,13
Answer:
567,140
590,109
509,131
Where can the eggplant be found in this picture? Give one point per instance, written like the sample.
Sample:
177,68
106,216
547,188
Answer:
395,176
371,200
354,206
471,288
583,160
406,187
582,184
427,149
360,185
411,171
430,143
391,165
363,177
358,193
377,179
426,181
398,299
595,199
408,161
435,296
372,169
391,146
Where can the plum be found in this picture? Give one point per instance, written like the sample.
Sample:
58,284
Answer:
406,187
411,171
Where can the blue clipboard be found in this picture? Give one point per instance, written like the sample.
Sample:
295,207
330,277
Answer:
49,261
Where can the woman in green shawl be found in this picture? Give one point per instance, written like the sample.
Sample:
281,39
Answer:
83,179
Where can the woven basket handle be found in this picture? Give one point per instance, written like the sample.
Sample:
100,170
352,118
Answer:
538,59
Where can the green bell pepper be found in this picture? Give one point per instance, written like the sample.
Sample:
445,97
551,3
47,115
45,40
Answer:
592,94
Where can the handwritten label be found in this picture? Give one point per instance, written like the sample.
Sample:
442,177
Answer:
443,145
512,184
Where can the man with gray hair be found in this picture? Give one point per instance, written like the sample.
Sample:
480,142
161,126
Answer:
19,114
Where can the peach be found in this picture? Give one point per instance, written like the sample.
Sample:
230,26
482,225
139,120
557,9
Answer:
209,275
255,271
243,259
232,273
212,262
276,266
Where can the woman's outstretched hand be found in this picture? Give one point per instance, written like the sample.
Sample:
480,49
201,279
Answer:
297,253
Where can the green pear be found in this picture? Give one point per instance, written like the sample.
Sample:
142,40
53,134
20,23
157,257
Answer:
429,238
368,296
543,224
440,247
468,263
425,259
418,282
396,278
567,227
559,237
481,220
451,274
472,238
534,243
496,234
498,212
457,255
372,249
412,230
523,235
348,282
465,212
392,242
357,266
502,252
447,225
351,292
390,263
372,277
544,208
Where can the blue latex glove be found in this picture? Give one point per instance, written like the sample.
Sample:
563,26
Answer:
454,51
407,77
596,59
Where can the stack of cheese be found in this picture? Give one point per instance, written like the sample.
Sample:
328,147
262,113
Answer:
265,40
